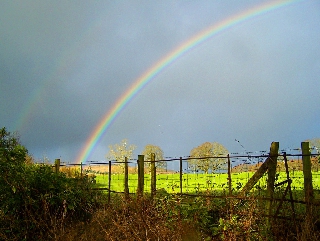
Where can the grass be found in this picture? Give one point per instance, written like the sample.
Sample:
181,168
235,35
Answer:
192,183
178,217
172,217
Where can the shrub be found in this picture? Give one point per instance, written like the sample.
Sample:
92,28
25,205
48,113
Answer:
134,218
35,201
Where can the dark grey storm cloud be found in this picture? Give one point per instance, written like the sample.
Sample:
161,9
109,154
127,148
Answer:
63,65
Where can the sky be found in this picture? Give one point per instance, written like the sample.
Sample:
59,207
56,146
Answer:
65,64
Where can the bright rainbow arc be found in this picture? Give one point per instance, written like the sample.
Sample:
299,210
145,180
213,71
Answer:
144,79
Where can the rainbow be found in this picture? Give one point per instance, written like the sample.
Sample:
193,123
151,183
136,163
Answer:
61,66
146,77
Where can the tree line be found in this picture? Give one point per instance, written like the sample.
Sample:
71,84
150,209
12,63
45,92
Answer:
211,154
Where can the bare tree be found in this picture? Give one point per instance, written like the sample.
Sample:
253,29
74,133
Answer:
118,152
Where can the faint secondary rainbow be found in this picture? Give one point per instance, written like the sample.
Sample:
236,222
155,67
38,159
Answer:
146,77
61,66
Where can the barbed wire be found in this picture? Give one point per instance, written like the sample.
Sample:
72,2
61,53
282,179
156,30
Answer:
233,157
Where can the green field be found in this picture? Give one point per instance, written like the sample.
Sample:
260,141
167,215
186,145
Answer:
202,182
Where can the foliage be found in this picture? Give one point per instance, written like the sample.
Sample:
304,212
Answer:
73,171
242,221
214,153
39,204
179,217
135,219
33,198
148,150
119,152
12,158
12,153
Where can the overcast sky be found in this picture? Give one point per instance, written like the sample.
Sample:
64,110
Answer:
64,64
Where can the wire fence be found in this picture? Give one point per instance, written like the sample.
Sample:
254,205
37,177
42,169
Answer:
279,181
186,175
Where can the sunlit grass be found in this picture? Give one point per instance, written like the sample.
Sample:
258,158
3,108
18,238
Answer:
192,183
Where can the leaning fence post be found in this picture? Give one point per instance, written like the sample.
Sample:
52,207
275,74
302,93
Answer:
180,175
306,163
262,169
153,175
140,174
126,178
109,183
57,165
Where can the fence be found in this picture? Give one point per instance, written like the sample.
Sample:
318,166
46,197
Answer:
237,174
280,183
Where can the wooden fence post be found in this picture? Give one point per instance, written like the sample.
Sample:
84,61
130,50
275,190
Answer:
126,178
229,176
274,148
180,175
153,175
306,163
140,175
109,183
272,168
57,165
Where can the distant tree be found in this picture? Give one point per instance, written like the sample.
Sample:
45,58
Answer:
118,152
315,149
148,150
214,151
314,144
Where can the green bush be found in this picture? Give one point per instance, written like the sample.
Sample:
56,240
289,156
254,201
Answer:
34,200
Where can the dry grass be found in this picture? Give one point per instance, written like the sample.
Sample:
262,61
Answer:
75,171
132,219
145,219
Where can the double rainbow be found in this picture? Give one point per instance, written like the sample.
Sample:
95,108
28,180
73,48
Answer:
146,77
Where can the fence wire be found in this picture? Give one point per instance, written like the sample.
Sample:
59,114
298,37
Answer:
185,175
